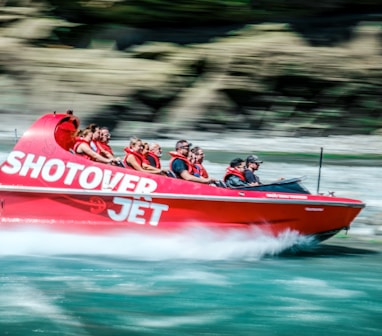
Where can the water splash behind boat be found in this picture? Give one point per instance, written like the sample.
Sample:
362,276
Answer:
192,244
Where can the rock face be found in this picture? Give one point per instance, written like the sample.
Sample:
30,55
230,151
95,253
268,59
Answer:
264,79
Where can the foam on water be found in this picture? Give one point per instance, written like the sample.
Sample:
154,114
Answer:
318,287
38,305
199,244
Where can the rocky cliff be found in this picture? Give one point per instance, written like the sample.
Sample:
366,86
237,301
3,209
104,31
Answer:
264,78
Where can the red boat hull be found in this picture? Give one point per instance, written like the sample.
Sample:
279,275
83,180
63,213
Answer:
42,183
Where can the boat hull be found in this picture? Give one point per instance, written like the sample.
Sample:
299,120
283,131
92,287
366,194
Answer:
106,213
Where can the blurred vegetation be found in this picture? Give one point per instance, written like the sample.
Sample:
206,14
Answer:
326,22
289,67
185,13
153,13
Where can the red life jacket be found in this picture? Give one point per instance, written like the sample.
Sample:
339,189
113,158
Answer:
201,170
233,171
80,140
139,157
156,160
105,147
175,155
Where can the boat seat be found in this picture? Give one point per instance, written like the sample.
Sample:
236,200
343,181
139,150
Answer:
65,132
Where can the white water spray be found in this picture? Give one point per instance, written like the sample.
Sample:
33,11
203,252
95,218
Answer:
193,244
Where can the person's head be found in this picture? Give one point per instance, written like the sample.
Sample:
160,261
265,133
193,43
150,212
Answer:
191,157
238,164
105,134
145,149
97,134
96,131
183,147
87,134
156,149
253,162
199,154
136,144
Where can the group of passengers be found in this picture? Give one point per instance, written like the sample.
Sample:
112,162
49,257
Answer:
92,143
144,157
186,162
241,173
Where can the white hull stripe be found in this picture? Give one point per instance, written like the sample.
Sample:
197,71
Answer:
239,199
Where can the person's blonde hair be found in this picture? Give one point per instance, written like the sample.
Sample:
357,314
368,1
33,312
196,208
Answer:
133,141
84,132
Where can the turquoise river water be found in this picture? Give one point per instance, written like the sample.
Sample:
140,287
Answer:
198,282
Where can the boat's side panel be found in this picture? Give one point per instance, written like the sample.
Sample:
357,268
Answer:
106,213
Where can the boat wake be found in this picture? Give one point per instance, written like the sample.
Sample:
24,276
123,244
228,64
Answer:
192,244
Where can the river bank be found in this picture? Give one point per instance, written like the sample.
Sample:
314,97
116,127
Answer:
252,142
368,146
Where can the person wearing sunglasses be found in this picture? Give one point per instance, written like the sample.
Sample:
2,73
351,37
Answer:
104,140
96,144
182,167
252,164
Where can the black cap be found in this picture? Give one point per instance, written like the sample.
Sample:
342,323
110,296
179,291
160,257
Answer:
253,159
189,144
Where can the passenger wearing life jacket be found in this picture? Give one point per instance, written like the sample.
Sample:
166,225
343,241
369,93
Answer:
134,158
82,147
95,141
104,142
145,152
154,155
199,157
182,167
95,130
234,176
192,159
96,144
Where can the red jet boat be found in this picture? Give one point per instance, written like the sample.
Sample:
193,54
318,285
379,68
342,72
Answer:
42,183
